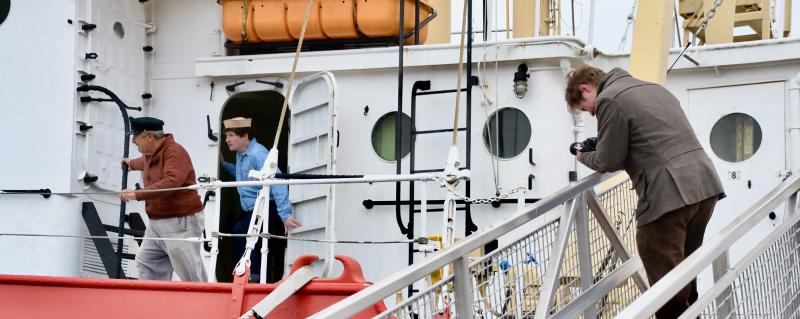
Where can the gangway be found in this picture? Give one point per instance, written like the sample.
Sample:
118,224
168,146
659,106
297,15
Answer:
574,264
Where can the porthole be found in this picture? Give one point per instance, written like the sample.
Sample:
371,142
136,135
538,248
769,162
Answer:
5,7
119,30
735,137
513,135
383,136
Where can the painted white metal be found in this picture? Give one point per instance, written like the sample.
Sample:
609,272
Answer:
793,115
551,278
119,66
312,150
751,179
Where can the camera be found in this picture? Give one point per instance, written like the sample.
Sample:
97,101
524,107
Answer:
588,145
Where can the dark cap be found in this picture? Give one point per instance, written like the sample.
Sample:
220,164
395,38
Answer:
141,124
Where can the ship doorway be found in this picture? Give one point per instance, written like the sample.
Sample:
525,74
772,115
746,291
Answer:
742,130
264,108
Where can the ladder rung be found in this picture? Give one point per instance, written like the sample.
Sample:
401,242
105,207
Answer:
128,256
129,232
460,129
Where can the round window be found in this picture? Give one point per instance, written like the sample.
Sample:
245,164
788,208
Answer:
383,136
5,7
507,133
735,137
119,30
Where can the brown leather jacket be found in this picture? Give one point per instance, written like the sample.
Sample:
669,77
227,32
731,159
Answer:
168,167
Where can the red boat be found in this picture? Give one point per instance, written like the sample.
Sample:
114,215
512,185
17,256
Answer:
60,297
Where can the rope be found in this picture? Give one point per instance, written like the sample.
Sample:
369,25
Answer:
291,75
190,239
421,240
460,66
11,192
244,20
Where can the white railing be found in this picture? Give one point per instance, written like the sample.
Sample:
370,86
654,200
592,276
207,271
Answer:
765,283
574,263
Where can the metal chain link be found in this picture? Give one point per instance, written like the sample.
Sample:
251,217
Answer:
708,16
444,184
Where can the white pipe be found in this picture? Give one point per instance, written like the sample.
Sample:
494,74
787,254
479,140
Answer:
793,113
577,118
365,179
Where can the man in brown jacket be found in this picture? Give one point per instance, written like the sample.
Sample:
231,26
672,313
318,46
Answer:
173,214
643,130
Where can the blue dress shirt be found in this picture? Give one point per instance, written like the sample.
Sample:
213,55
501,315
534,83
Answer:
253,159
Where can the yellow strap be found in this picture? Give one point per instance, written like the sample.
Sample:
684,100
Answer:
244,20
291,75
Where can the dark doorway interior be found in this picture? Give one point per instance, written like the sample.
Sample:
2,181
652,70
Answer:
264,107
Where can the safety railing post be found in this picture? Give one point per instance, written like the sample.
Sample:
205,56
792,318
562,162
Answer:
551,281
720,267
584,254
463,285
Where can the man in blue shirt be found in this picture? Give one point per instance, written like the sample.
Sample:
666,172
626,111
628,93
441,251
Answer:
250,155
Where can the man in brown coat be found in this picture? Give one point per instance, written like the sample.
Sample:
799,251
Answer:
173,214
643,130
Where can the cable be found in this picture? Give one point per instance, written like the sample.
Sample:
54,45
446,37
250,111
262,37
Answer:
421,240
700,29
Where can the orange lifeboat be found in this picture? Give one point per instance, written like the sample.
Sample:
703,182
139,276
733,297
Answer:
277,21
59,297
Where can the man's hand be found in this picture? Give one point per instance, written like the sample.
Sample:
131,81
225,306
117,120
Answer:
127,194
126,161
291,222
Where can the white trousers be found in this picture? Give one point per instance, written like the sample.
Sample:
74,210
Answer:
157,259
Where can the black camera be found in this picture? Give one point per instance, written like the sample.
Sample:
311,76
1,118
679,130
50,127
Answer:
588,145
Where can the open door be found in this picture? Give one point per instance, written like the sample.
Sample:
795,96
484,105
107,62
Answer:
312,150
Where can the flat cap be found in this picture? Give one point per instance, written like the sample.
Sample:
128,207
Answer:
237,122
141,124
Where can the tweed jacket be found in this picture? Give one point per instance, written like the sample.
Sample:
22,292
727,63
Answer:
643,130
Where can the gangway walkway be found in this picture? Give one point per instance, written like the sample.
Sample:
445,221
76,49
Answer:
579,260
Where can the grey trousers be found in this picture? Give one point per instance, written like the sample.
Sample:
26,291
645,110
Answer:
157,259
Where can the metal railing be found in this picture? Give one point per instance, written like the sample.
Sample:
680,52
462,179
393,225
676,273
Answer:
765,283
575,263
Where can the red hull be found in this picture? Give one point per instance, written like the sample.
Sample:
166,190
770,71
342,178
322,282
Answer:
59,297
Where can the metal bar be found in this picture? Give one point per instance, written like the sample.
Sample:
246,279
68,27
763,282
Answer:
273,182
551,281
461,129
584,253
585,302
729,277
372,294
398,125
675,280
463,288
443,91
130,232
614,237
720,267
125,153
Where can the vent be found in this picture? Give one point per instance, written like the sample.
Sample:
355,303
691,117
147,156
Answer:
92,265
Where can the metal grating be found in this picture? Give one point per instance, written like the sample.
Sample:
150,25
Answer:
767,288
435,302
507,282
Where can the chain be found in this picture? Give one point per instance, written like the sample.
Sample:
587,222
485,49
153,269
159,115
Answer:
444,184
700,29
708,16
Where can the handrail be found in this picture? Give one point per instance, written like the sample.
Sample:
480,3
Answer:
369,296
655,297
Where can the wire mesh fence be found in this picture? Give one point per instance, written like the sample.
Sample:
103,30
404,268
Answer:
436,302
768,288
507,282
